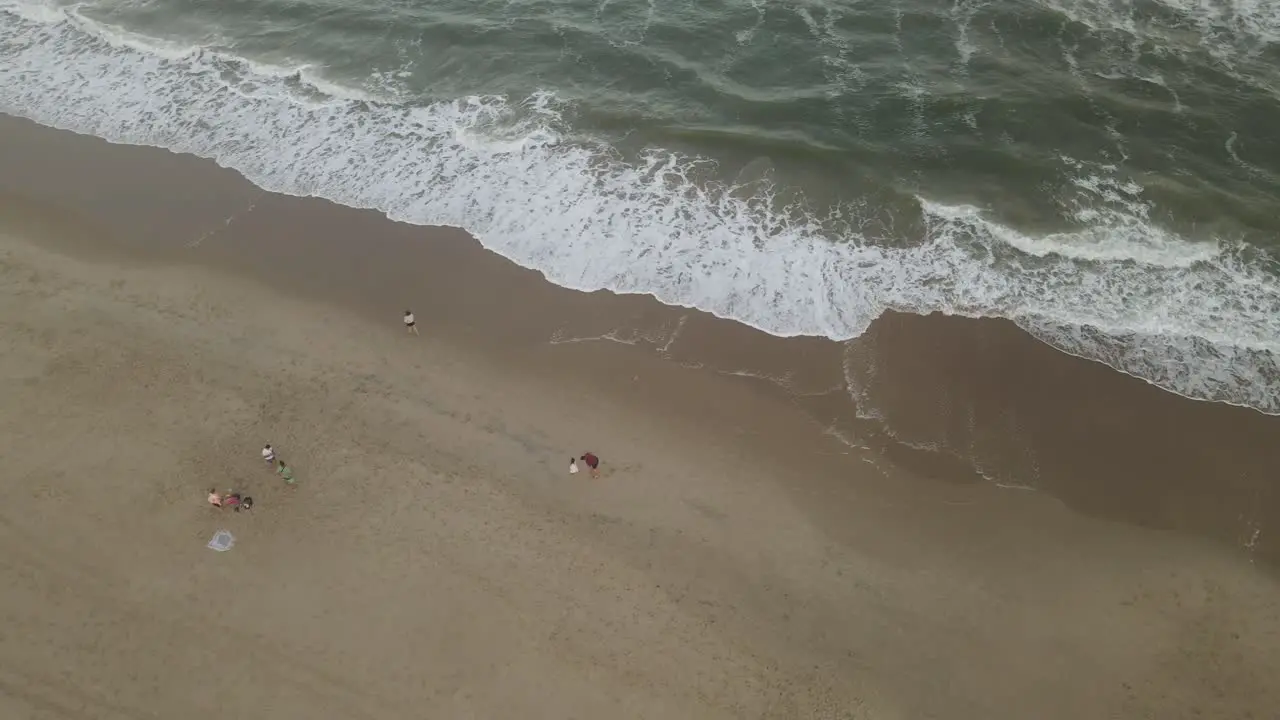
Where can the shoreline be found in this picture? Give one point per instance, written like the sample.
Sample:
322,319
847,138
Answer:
738,559
949,398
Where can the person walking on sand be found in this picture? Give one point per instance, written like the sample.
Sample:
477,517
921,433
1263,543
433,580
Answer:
286,472
268,455
410,323
592,462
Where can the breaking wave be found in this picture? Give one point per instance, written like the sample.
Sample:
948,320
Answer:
1201,319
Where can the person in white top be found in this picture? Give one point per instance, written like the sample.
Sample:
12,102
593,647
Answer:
409,323
573,466
268,454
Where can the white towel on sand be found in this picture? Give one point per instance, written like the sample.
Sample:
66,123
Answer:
222,541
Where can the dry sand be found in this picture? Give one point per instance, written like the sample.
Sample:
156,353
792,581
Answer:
436,560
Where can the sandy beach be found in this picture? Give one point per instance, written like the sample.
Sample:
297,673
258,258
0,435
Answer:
741,557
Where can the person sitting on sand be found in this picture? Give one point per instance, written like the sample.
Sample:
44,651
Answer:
268,454
573,466
286,472
214,498
592,462
236,501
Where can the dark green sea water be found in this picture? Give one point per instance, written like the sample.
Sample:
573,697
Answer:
1103,173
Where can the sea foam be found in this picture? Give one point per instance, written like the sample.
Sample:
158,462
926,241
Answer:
1198,319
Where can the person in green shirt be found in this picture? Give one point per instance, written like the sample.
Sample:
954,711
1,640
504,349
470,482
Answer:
286,472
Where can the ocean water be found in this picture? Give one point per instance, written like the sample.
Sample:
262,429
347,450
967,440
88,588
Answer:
1105,173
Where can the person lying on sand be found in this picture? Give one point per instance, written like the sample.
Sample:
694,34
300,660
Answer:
232,499
237,502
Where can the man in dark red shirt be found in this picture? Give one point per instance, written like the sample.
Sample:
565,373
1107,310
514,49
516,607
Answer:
592,462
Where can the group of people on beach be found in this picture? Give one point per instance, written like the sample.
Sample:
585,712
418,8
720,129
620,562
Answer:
237,501
284,471
231,499
590,460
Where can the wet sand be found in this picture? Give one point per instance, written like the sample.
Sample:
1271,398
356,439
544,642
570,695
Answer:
754,549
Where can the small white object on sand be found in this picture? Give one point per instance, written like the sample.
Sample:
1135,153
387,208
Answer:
222,541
